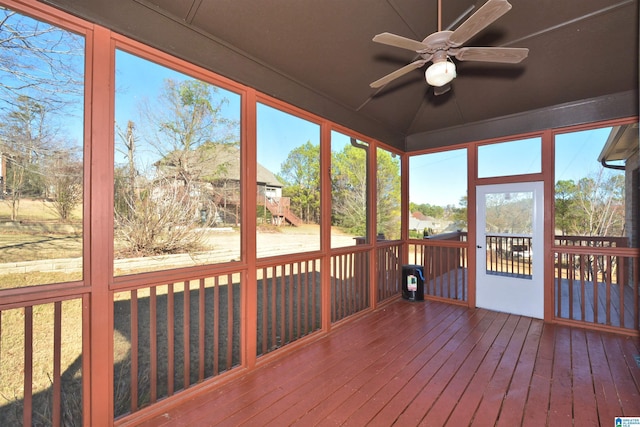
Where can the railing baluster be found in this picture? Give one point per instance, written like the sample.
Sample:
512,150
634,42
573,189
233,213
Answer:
265,310
558,292
636,291
201,329
170,340
305,294
353,302
134,349
283,307
290,285
313,295
153,344
299,300
607,281
230,316
186,326
216,325
274,314
57,360
28,366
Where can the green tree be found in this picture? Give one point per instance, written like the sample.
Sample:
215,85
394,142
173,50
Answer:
428,209
349,189
459,214
300,172
565,205
388,186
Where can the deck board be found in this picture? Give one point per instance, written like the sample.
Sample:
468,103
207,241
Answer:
431,363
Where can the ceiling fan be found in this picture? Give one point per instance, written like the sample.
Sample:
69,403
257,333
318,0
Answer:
441,46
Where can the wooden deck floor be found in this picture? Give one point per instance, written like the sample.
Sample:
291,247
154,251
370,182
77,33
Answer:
433,364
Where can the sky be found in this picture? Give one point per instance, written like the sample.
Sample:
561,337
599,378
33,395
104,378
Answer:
279,133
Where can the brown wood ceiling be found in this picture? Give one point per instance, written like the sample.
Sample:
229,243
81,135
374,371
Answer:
319,55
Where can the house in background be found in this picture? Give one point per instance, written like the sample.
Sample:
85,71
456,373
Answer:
420,222
215,168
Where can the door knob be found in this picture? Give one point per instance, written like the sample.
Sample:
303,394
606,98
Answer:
478,246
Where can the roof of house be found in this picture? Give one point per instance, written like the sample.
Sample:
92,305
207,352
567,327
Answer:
212,162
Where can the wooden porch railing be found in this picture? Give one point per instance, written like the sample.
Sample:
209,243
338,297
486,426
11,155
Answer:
444,258
349,283
388,269
597,281
289,303
41,355
171,336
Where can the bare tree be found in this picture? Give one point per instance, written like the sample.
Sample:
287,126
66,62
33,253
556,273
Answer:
25,138
600,202
159,221
41,88
187,116
154,216
64,182
349,189
39,60
194,143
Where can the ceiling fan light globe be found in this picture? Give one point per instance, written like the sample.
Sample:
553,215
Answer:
440,73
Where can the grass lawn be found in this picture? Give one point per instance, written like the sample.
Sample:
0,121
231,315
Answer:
34,210
17,247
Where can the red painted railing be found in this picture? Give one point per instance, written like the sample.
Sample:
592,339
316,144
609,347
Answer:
41,355
289,303
444,258
170,336
388,269
349,283
597,281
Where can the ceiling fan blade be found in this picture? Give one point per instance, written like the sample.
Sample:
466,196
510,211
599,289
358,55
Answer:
398,73
485,16
442,89
510,55
399,41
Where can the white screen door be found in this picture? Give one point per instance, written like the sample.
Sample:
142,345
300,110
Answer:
509,241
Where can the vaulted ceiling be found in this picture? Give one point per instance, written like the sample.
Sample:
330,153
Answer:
319,55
